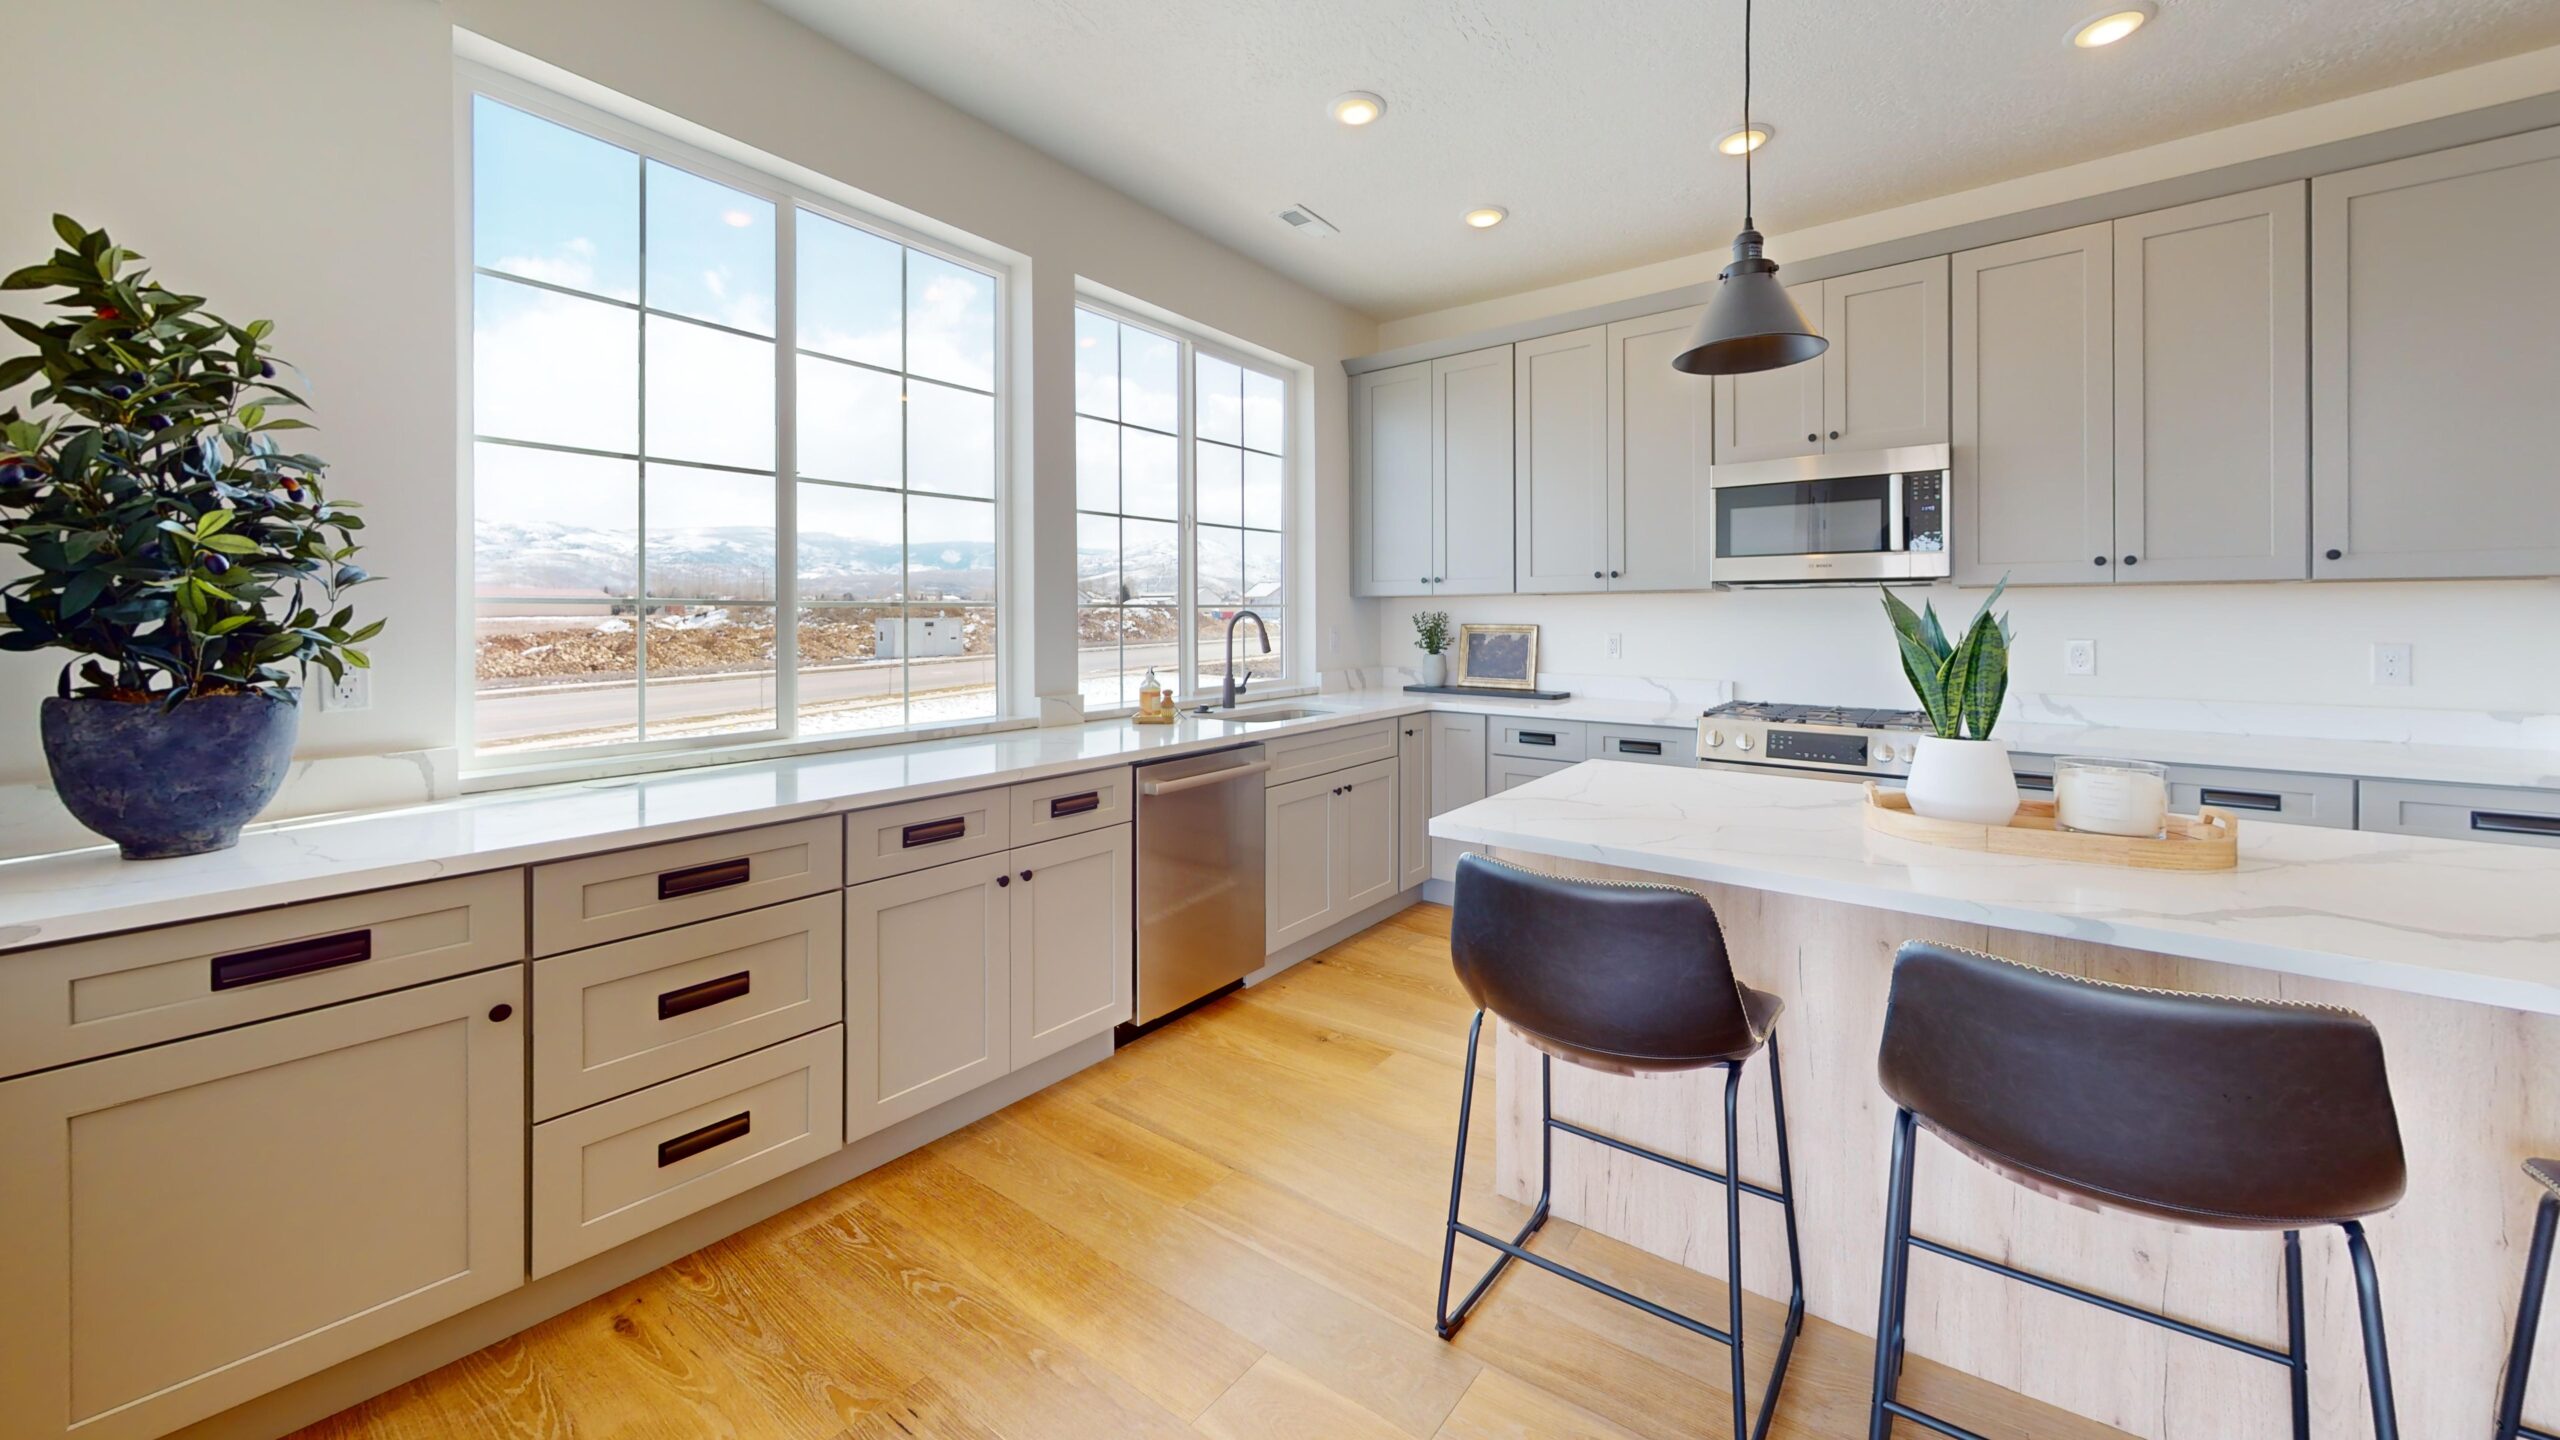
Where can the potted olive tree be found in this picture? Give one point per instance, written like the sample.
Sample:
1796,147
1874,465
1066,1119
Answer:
1431,632
1960,773
189,565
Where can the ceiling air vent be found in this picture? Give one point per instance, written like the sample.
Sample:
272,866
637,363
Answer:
1308,222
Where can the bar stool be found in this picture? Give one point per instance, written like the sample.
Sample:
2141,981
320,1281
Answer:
2537,1270
2204,1110
1633,980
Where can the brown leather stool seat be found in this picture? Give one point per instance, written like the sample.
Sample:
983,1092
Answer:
1632,979
2204,1110
2537,1276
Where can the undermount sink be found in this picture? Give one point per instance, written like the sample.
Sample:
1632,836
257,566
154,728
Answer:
1258,717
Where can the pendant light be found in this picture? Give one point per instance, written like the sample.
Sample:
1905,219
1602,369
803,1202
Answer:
1751,323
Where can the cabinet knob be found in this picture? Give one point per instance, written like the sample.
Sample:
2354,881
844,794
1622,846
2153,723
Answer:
1595,574
1003,880
2133,559
1026,875
1613,574
1835,434
2337,554
501,1011
1425,580
1813,439
2098,560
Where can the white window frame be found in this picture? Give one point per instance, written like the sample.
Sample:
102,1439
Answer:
1190,342
471,80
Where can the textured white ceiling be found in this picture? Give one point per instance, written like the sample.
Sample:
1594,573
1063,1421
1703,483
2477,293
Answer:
1595,120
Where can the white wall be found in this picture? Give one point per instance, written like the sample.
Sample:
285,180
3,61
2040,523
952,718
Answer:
319,192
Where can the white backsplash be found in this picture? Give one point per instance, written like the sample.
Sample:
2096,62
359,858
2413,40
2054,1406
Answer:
2483,729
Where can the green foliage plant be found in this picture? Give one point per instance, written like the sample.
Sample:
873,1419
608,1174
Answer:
1961,684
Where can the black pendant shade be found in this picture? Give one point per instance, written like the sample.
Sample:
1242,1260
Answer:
1752,323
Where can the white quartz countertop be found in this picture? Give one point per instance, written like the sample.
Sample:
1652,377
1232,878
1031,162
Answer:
2366,759
2449,918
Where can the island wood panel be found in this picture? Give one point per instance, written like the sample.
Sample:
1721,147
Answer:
2478,1088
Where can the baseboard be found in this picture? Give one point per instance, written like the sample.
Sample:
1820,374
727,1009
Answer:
349,1382
1436,891
1328,938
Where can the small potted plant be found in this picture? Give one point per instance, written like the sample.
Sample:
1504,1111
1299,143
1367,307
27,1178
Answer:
1960,773
186,562
1431,632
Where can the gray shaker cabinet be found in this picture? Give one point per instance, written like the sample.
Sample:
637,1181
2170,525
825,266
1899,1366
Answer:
1431,465
1393,539
2435,302
1775,413
1561,454
1612,458
2034,421
1882,383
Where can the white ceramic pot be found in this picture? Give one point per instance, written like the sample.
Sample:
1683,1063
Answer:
1435,669
1967,780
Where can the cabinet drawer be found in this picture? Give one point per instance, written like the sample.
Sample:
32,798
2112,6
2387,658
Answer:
2265,795
895,839
1505,773
1540,739
621,1169
1295,757
196,1224
2492,813
1069,805
577,903
612,1019
1644,744
76,1002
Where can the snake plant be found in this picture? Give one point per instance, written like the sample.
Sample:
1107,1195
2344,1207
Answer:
1961,685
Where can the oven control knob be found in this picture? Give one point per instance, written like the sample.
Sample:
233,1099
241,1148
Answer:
1714,738
1884,752
1742,742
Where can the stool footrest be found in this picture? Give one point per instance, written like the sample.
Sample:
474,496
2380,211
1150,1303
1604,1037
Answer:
1658,1158
2134,1312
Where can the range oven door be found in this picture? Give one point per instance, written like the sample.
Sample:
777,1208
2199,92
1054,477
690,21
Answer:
1812,518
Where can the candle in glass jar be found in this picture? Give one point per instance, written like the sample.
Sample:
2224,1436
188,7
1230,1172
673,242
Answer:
2111,797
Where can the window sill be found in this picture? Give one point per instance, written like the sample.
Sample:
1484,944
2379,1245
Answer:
569,770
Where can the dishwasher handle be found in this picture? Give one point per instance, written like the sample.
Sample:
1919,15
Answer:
1194,782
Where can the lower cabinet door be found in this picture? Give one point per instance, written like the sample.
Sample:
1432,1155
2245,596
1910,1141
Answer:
1413,801
1073,945
616,1171
201,1222
928,980
1364,819
1300,873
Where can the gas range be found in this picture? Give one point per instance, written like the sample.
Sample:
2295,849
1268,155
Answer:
1831,739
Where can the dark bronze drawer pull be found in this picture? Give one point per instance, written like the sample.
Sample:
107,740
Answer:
703,996
1537,737
2035,782
694,1142
696,879
293,957
1083,804
1640,747
2504,824
2241,799
934,832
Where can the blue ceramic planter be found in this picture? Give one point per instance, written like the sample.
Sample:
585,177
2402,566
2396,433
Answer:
176,780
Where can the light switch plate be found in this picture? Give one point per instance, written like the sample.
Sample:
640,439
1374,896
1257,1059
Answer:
2079,657
2392,662
1617,646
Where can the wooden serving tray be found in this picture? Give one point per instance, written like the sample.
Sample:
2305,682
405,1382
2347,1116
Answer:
2208,840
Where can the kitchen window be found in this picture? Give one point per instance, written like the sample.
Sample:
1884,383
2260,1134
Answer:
1181,506
734,453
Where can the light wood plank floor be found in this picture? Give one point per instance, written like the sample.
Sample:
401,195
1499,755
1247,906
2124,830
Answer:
1231,1229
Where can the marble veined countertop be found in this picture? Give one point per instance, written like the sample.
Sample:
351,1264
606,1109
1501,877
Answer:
2449,918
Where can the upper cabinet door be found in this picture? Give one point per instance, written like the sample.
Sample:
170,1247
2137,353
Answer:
1393,538
1775,413
2213,431
1661,436
2435,303
1884,379
2034,417
1471,471
1562,452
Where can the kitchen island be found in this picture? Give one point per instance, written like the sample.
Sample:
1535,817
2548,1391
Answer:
2451,948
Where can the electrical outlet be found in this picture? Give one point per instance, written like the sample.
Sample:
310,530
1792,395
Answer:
2392,662
353,691
1617,646
1333,641
2079,657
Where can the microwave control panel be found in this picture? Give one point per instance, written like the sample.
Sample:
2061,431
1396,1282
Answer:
1924,511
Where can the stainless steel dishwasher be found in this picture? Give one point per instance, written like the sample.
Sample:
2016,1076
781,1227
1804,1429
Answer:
1199,907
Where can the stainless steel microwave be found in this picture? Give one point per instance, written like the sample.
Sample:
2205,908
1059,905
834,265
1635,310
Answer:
1812,519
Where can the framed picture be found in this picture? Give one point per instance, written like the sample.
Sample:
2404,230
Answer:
1498,657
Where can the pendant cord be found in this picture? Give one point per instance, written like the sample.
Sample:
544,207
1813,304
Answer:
1747,146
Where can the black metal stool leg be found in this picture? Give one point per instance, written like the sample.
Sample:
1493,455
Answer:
2377,1352
1733,1242
2537,1273
2297,1346
1892,1288
1445,1320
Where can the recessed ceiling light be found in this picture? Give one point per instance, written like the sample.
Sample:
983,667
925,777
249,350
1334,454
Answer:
2109,26
1485,217
1358,107
1736,142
